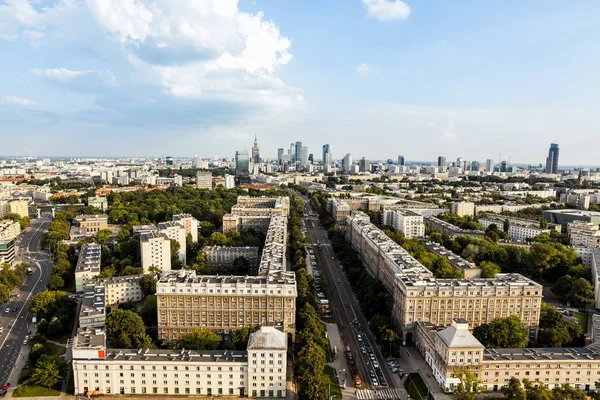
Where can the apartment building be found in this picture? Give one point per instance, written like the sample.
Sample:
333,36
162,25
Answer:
175,231
453,347
418,296
224,303
98,202
92,313
340,210
190,224
7,251
217,256
583,234
469,269
88,264
204,180
120,289
408,222
85,226
155,249
20,207
447,229
519,229
9,229
273,258
259,371
463,208
595,267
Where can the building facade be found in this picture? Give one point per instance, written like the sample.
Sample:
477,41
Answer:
175,231
583,234
155,249
408,222
88,264
217,256
462,208
518,229
204,180
9,229
189,223
7,251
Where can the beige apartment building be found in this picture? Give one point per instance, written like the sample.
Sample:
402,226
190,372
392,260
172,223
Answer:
85,226
121,289
419,297
450,348
155,251
463,208
175,231
224,303
20,207
583,234
225,255
88,264
9,229
190,224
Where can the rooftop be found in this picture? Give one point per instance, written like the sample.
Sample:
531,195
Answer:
156,355
267,337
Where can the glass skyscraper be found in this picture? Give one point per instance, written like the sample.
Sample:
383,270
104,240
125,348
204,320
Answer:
552,159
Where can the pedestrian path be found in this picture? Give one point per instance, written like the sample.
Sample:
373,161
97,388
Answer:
383,393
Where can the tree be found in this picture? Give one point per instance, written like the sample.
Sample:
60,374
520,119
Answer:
56,282
240,337
218,239
103,235
311,359
148,285
577,292
489,269
149,311
536,392
514,390
506,225
556,330
469,384
565,391
48,372
198,339
125,329
507,332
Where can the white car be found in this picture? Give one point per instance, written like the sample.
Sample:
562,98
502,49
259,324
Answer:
7,310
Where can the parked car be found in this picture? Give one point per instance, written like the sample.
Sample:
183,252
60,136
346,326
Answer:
5,386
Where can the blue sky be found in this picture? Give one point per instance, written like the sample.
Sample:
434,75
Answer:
374,78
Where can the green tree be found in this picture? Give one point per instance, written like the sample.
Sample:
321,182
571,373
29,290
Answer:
507,332
536,392
103,235
514,390
489,269
148,285
125,329
198,339
149,311
240,337
311,359
555,330
56,282
506,225
218,239
48,372
469,384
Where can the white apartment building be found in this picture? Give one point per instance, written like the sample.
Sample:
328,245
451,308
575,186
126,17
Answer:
88,264
260,371
7,251
120,289
155,251
4,207
595,267
408,222
9,229
217,256
189,223
20,207
203,180
229,181
519,229
583,234
175,231
462,208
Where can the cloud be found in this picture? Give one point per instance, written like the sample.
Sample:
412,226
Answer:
59,74
365,68
449,135
19,101
387,10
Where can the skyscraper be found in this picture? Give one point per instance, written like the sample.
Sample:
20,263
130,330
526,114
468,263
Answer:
326,151
255,156
242,164
364,165
311,158
292,153
347,162
400,160
489,165
552,159
441,161
279,154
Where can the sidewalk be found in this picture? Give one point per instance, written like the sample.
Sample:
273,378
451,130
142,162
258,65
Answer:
412,361
340,363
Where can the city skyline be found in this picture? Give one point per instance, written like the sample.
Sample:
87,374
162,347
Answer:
77,79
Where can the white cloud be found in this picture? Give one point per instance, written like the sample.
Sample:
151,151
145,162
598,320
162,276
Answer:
449,135
365,68
59,74
19,101
387,10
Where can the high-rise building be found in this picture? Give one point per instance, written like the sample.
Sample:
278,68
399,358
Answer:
304,159
364,165
255,155
292,153
504,166
347,163
155,251
203,180
552,159
326,149
311,158
169,161
441,161
242,164
279,154
401,160
475,165
489,165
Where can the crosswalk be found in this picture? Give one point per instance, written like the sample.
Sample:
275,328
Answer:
384,393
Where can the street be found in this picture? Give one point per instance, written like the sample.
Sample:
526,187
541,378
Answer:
351,322
15,319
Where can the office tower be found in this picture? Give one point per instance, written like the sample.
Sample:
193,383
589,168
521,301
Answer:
304,159
504,166
326,151
489,165
475,165
279,154
364,165
400,160
441,161
242,164
169,160
311,158
203,180
298,152
347,163
197,161
255,156
292,153
552,159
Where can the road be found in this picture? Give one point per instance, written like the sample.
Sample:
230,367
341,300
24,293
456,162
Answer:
16,321
346,309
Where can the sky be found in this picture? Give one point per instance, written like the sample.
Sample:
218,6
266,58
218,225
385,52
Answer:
374,78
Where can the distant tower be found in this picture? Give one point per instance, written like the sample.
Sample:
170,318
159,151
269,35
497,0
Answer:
255,155
552,159
580,178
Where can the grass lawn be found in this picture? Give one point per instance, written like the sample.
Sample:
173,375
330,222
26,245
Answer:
334,384
583,320
55,350
34,391
415,386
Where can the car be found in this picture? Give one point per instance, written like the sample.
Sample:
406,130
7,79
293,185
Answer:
375,383
359,337
344,384
25,342
18,295
363,350
375,364
1,329
5,386
333,258
7,310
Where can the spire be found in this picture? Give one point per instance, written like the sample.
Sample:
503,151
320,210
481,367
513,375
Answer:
255,139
